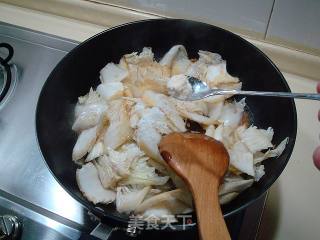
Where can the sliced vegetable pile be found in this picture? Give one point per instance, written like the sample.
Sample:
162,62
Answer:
121,123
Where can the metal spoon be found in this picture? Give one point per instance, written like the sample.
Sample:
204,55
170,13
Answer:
201,90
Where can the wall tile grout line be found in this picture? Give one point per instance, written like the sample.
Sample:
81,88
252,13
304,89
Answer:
265,33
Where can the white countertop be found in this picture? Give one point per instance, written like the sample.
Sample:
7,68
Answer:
292,210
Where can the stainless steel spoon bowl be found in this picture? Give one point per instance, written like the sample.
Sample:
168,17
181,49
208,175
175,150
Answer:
201,90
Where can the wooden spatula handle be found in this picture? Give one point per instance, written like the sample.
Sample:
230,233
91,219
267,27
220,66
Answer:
211,223
202,162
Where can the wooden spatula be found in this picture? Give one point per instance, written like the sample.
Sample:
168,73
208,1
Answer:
202,162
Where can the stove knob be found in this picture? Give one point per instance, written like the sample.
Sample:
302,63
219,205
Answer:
10,227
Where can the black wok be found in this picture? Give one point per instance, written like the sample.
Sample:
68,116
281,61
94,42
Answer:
79,70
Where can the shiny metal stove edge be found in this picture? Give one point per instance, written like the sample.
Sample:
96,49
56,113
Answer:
37,222
26,185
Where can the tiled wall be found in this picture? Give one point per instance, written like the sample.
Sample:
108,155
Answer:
294,23
248,15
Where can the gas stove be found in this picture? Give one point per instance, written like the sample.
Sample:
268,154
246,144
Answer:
32,203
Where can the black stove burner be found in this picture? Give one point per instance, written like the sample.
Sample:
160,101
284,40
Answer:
2,80
5,72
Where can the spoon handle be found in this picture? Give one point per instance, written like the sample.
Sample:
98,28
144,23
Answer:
312,96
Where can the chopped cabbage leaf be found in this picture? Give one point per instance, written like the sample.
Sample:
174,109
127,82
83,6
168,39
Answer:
107,175
112,73
241,158
172,200
231,113
90,186
256,139
260,156
129,198
96,151
121,161
259,172
143,174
